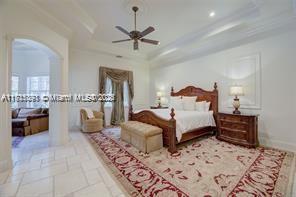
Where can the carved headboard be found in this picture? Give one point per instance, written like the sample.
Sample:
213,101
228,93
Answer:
202,95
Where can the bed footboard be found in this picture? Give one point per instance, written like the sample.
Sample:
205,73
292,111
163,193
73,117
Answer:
168,126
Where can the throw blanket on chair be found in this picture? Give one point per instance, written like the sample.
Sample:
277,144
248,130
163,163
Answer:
89,113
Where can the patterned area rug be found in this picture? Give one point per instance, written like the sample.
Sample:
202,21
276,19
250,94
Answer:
16,141
203,167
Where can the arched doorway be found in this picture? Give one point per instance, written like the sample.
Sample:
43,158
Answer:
58,113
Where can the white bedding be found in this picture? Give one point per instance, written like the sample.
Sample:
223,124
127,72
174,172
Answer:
187,120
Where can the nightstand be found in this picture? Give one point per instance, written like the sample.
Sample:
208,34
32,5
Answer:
158,107
239,129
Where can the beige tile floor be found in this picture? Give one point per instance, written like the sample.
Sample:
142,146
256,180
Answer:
72,170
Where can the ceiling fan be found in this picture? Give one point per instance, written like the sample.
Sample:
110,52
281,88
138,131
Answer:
136,35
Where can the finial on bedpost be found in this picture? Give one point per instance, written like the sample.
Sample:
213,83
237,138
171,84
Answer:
215,86
172,89
130,113
172,113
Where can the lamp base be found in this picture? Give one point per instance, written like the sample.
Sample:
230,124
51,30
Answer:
236,111
236,105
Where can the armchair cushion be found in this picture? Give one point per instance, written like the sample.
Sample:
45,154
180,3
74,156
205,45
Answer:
25,112
91,125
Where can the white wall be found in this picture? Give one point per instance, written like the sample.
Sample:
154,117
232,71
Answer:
29,63
84,76
278,109
5,137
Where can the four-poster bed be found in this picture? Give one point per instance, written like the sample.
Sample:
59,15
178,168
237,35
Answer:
169,126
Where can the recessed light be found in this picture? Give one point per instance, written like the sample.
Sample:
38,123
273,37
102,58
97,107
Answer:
212,14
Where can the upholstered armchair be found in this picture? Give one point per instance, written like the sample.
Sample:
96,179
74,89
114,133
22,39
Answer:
91,125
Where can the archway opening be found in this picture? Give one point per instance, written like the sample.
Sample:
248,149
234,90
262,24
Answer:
34,77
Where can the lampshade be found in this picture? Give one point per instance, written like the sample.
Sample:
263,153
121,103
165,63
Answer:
236,91
158,94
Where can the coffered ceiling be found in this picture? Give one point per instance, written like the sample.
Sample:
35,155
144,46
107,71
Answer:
182,26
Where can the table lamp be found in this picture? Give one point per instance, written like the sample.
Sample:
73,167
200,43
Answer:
236,91
158,95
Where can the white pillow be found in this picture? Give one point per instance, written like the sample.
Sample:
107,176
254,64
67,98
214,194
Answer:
207,106
176,103
189,103
200,106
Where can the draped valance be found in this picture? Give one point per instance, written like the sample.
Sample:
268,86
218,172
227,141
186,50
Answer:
118,77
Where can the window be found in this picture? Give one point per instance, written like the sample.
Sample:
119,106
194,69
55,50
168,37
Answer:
38,86
125,92
14,89
108,91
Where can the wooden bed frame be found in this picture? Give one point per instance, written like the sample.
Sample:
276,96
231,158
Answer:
169,126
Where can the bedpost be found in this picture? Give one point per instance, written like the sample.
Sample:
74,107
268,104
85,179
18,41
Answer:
130,112
172,90
215,86
172,113
172,130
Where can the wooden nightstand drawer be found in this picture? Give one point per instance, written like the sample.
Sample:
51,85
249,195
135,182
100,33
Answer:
238,129
235,125
234,118
234,134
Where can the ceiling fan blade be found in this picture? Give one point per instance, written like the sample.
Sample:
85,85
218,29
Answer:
150,41
123,30
121,40
136,45
147,31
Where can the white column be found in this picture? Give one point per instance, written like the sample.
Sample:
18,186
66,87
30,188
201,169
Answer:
58,112
5,111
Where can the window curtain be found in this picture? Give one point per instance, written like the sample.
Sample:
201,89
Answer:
118,78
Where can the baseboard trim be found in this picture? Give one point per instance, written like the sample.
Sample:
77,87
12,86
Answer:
5,165
278,144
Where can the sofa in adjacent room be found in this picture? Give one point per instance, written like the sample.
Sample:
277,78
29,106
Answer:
29,121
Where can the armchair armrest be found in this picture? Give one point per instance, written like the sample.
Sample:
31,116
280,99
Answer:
98,115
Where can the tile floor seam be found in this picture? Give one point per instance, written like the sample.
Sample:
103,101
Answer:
6,179
53,186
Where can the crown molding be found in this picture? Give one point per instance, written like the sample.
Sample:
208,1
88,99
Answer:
256,31
240,16
48,19
106,49
81,16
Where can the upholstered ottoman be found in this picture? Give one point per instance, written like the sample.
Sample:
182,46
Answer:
145,137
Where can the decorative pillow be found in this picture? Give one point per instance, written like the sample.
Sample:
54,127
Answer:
14,113
44,111
25,112
200,106
176,103
207,106
189,103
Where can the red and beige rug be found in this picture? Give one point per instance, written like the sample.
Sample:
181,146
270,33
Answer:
204,167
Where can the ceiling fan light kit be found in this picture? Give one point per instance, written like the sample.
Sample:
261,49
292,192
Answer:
136,35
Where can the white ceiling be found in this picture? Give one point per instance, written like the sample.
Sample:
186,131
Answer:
177,22
171,18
